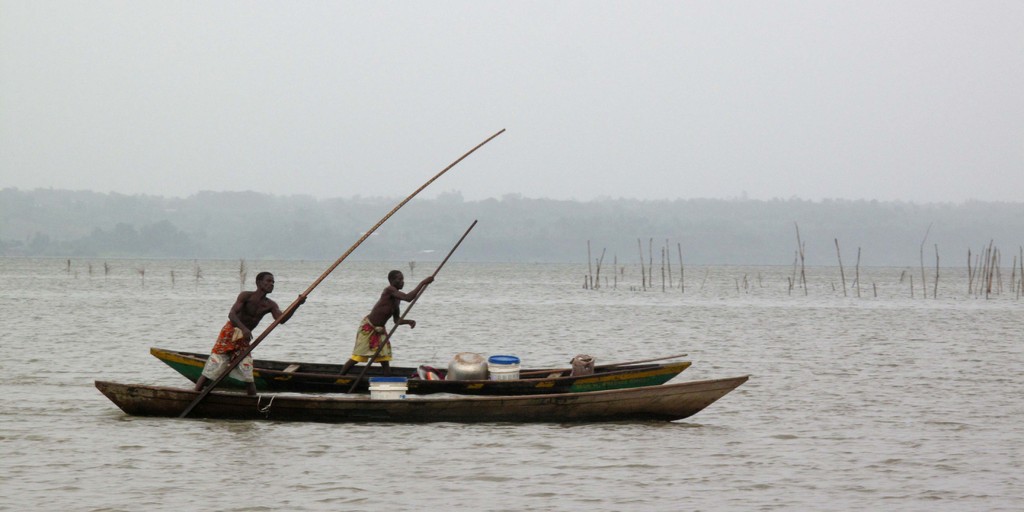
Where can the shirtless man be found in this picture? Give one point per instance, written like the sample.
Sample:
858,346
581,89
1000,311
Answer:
372,331
244,316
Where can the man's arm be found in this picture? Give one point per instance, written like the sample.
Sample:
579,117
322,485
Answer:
395,301
408,297
399,321
276,311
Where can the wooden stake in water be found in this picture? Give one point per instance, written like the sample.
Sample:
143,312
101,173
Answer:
841,274
590,268
800,249
643,278
924,280
682,287
858,272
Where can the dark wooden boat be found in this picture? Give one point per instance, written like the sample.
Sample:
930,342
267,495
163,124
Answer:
663,403
325,378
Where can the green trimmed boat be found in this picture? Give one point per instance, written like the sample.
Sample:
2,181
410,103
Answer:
283,376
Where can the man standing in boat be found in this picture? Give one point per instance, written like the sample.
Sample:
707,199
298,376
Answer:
372,331
244,316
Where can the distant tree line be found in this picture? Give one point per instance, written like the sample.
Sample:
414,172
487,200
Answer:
227,225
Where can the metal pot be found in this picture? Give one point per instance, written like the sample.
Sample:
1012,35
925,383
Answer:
467,366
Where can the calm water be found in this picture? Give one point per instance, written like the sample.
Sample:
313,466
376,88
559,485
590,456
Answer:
878,402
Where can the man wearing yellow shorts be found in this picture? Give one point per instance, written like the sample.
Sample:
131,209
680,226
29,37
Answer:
372,331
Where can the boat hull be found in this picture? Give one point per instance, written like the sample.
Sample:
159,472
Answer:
325,378
651,403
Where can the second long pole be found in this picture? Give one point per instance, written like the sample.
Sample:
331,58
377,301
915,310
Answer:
387,337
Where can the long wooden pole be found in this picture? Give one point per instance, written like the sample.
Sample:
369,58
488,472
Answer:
295,304
613,365
610,365
387,337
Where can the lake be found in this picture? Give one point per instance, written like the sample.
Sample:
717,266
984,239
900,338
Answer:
886,400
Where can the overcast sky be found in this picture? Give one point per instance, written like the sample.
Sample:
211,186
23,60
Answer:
920,101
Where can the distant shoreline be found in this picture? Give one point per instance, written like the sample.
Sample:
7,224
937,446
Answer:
246,225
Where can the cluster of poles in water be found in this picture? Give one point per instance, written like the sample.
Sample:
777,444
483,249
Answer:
196,272
592,281
984,272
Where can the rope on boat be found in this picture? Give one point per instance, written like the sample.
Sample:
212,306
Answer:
264,410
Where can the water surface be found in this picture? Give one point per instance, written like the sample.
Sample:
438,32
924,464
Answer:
879,401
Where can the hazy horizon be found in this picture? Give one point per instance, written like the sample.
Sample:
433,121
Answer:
439,194
911,101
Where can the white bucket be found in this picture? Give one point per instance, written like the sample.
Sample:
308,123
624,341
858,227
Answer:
388,388
503,367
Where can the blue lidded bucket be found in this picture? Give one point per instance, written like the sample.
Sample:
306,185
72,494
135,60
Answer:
388,388
503,367
503,360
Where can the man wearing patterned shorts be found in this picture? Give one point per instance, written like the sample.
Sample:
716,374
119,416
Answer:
234,338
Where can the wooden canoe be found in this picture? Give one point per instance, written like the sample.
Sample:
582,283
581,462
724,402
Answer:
649,403
280,376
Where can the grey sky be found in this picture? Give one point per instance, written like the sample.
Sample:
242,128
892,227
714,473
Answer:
919,101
